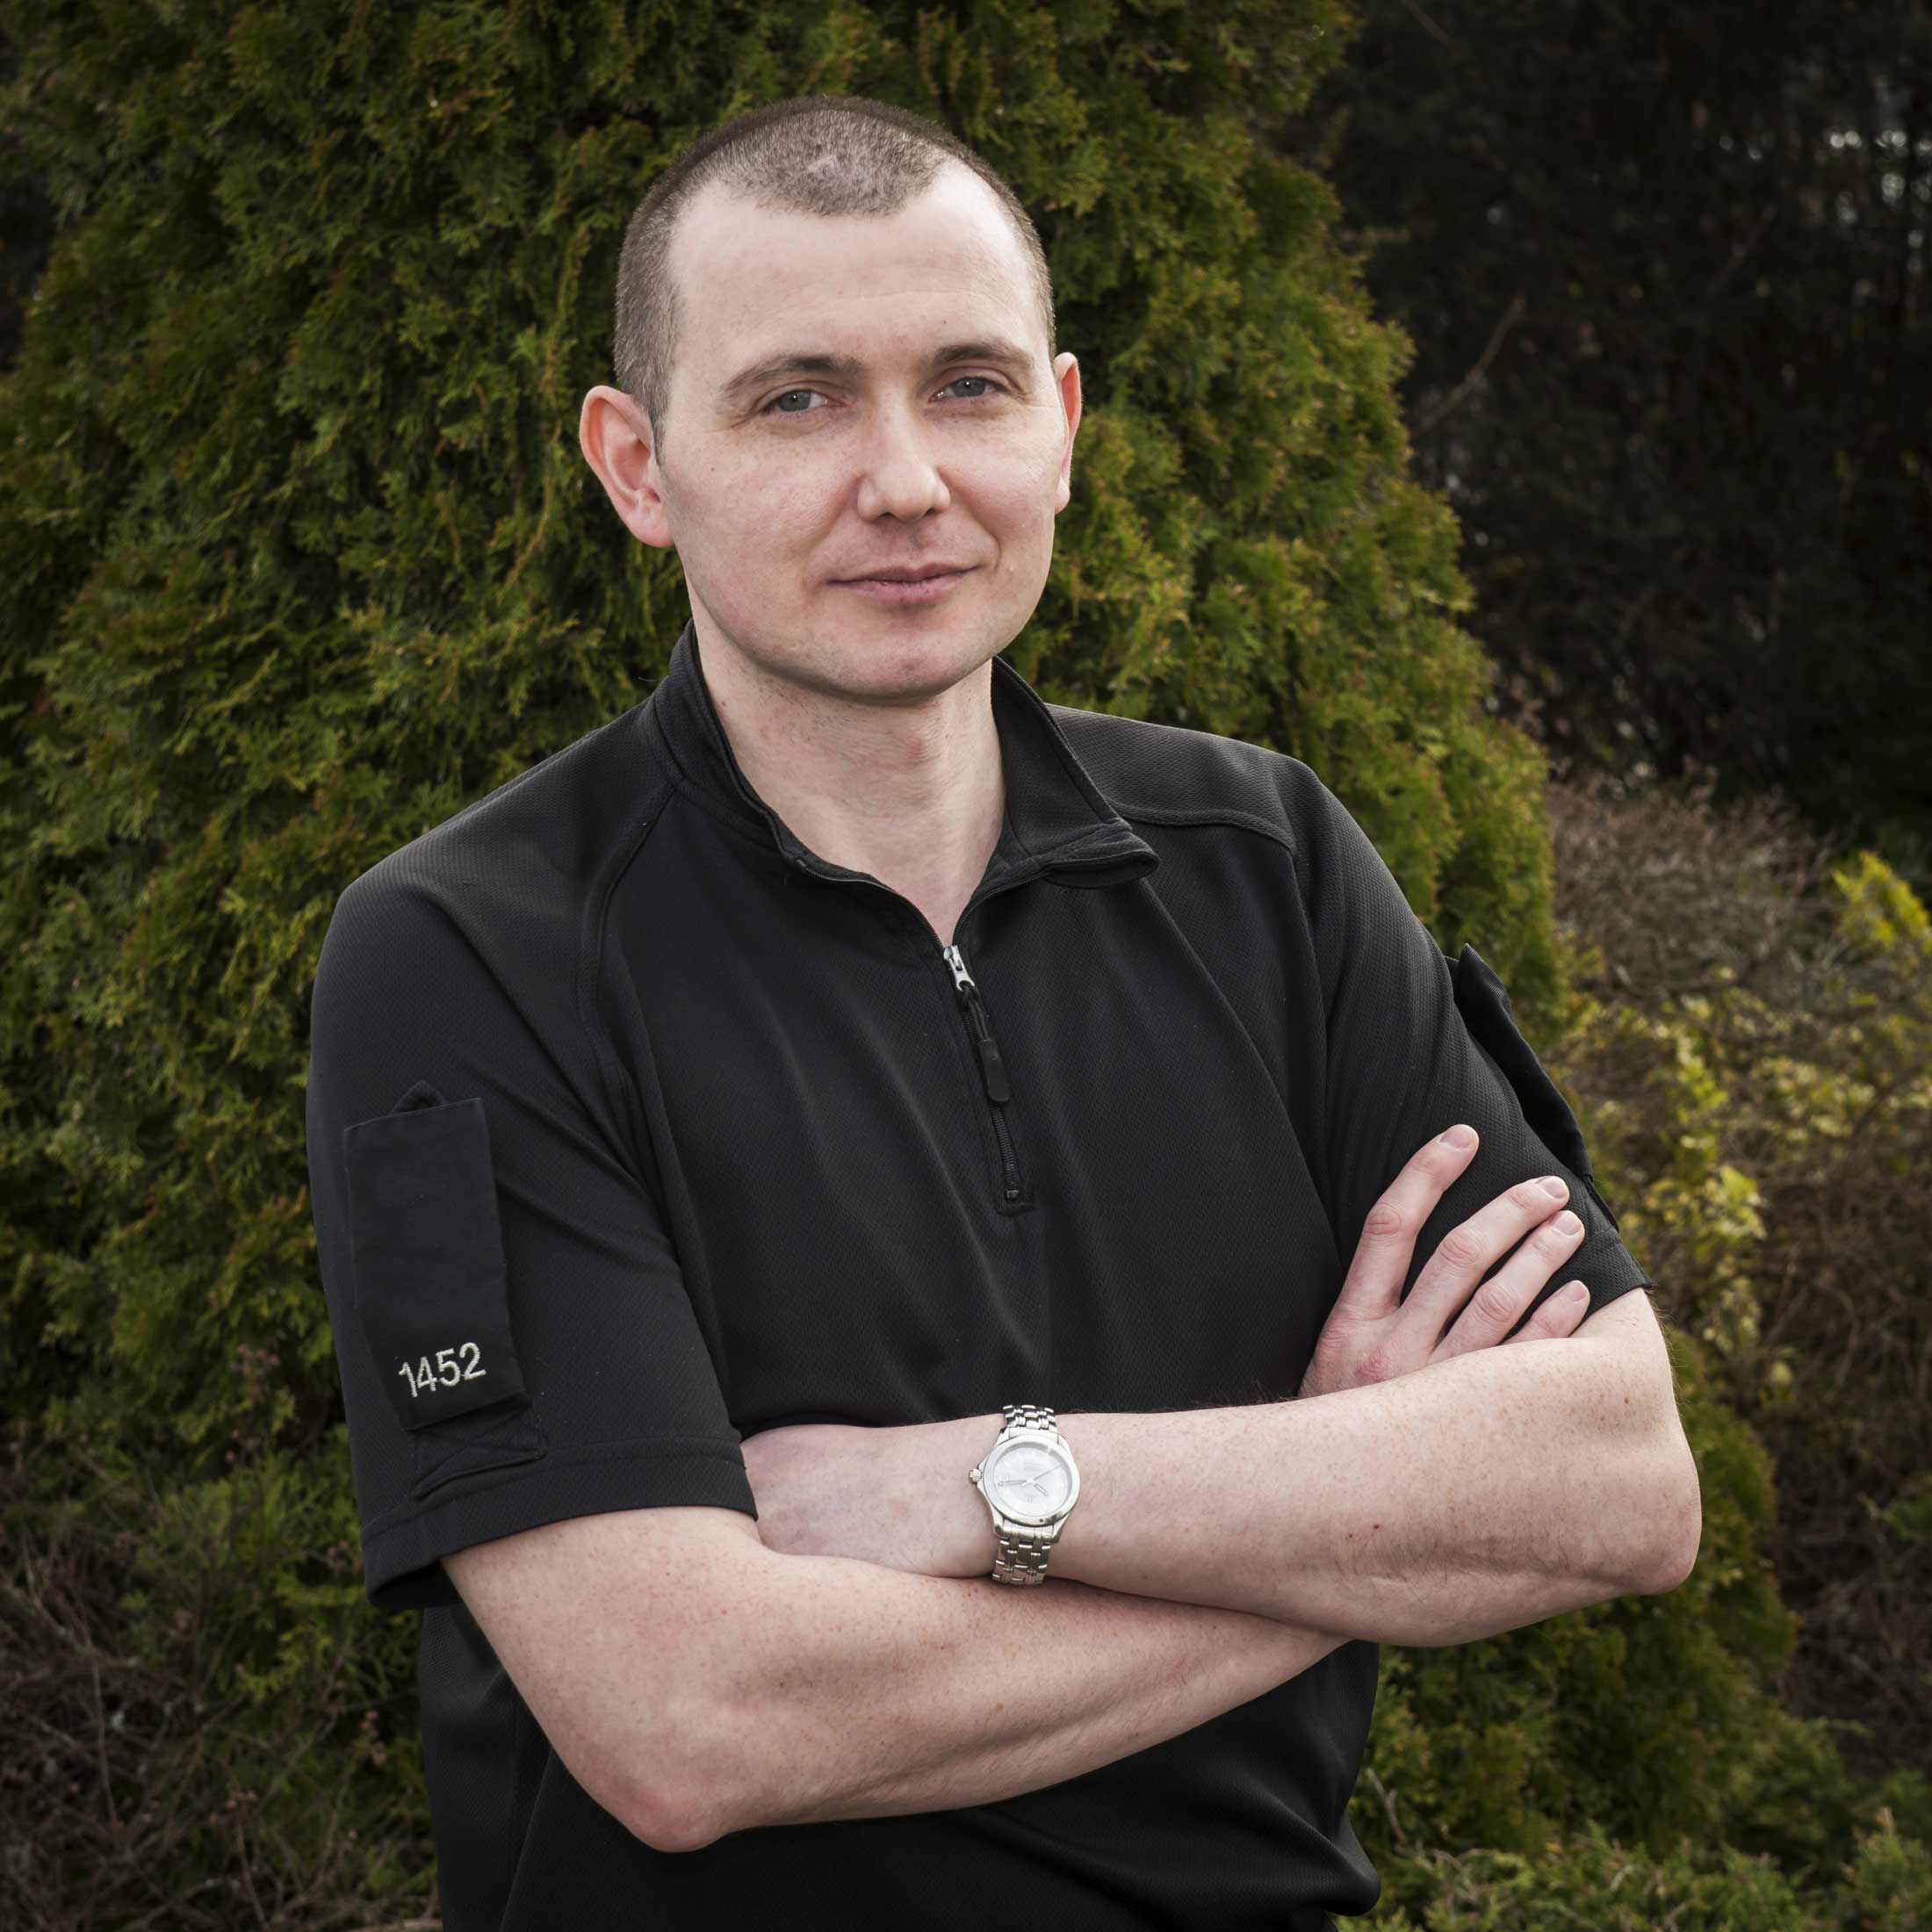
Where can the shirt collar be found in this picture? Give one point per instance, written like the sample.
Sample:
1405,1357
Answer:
1057,822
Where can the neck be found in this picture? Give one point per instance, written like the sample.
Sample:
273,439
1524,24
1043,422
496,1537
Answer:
912,794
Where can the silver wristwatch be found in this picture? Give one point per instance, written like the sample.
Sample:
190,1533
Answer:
1030,1482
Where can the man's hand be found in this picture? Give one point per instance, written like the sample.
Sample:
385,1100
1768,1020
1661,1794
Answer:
1372,1336
898,1496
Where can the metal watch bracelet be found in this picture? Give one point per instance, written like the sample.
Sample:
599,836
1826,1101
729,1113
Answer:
1024,1549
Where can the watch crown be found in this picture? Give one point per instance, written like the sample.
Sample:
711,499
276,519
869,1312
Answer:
972,1474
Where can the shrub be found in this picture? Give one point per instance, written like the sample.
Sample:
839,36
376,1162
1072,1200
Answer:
222,1733
1753,1043
1589,1881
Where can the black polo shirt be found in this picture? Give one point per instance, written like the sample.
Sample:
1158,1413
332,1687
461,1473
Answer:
635,1128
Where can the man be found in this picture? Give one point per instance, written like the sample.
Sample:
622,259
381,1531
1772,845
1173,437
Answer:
732,1135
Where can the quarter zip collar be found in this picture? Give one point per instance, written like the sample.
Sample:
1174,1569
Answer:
1057,823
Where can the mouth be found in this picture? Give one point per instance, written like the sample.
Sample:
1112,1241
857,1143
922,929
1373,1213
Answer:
924,586
901,575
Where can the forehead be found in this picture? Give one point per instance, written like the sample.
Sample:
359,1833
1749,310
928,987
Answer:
752,278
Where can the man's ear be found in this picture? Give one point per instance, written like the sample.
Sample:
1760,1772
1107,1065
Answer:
615,435
1066,376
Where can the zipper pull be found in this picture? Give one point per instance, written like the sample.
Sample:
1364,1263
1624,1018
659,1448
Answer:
993,1069
962,978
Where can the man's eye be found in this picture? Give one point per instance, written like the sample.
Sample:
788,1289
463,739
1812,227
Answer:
988,380
777,402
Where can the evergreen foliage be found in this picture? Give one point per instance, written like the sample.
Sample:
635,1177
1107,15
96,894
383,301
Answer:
1586,1880
301,557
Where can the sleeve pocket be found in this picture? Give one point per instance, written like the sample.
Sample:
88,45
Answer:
1484,1002
431,1286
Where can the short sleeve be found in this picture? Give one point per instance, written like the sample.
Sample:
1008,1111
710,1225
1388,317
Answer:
1415,1044
511,1326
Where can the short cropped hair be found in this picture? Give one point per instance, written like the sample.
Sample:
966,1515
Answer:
820,154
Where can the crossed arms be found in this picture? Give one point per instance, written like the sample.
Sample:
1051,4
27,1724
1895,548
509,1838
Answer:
847,1655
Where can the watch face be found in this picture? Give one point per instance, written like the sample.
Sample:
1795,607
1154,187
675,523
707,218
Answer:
1030,1481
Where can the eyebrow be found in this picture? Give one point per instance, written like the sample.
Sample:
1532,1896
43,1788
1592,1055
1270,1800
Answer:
747,383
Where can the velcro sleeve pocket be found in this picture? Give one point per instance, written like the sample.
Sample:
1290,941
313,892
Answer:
432,1291
1483,1001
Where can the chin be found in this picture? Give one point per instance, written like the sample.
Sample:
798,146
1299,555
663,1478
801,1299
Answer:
884,655
898,672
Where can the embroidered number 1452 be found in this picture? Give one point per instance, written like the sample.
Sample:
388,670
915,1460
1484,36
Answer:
445,1369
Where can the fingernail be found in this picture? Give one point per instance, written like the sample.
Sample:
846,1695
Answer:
1458,1138
1551,1185
1567,1223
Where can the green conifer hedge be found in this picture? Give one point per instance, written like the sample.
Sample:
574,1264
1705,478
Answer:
300,555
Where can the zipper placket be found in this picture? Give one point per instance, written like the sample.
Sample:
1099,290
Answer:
992,1070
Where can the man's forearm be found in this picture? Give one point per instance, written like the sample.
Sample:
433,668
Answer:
1482,1493
1485,1491
856,1691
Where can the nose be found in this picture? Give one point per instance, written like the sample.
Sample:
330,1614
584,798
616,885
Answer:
898,473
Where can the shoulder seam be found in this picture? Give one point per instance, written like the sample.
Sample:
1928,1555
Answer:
1209,815
590,961
1189,815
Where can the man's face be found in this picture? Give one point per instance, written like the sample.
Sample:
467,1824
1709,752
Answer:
853,396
